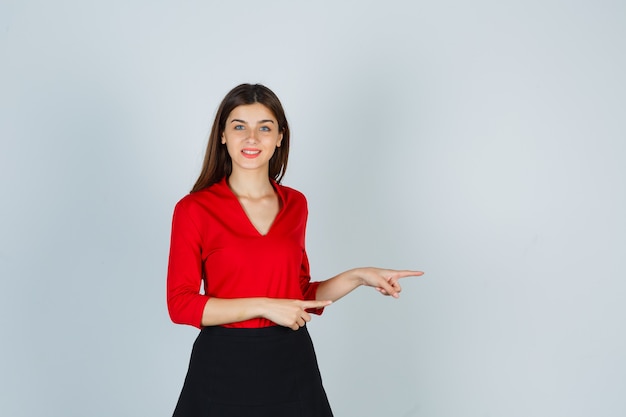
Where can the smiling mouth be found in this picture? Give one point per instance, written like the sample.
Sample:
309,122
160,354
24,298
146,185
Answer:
250,153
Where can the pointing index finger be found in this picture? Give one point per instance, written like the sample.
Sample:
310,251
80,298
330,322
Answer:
408,273
316,303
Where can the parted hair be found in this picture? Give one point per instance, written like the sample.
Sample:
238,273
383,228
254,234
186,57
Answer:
217,162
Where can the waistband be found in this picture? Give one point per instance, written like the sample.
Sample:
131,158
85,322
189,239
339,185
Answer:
260,332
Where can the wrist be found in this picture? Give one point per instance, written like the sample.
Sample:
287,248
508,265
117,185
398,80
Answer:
356,276
261,307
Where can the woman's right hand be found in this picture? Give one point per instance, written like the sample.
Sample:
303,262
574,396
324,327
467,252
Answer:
290,313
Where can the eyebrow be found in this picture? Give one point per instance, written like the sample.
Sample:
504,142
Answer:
260,121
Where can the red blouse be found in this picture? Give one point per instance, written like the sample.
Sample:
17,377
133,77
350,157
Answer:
214,243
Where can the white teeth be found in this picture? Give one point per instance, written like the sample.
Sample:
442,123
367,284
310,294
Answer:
247,152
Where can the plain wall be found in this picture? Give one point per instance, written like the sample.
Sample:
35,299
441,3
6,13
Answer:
483,142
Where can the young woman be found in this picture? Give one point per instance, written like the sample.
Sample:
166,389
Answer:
241,235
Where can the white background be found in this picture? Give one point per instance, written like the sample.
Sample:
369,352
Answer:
483,142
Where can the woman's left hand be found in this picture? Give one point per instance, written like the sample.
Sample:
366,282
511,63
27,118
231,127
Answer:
385,281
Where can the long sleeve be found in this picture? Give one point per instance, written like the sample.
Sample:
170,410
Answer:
309,289
184,273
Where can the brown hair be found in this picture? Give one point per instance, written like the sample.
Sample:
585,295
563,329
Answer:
217,163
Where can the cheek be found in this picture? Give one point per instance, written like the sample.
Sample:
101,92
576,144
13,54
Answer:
273,151
230,138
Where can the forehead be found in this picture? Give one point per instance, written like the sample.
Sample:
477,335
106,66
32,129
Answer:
251,113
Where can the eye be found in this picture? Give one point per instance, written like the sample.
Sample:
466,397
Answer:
265,129
239,127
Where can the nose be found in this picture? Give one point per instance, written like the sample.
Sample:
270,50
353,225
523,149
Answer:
252,136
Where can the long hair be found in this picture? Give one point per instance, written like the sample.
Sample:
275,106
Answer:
217,162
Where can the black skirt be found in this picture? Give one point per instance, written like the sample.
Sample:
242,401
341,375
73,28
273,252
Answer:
266,372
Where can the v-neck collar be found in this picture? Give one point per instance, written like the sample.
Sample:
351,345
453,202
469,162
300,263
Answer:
281,205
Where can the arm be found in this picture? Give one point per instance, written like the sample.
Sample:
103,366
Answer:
284,312
184,270
384,281
292,313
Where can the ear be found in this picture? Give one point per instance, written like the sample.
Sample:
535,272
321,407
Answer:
280,140
223,139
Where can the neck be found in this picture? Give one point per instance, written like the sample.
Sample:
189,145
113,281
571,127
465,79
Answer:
250,184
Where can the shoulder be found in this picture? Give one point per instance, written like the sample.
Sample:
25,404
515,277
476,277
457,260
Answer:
201,200
291,194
